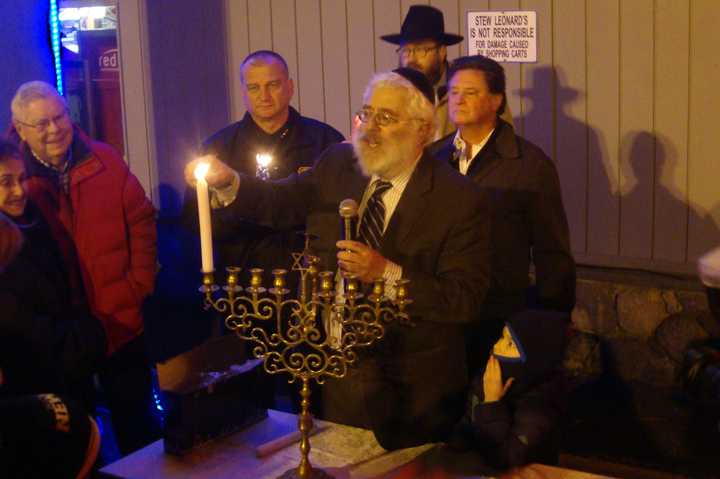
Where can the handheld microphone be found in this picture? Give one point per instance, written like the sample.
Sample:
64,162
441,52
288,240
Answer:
348,210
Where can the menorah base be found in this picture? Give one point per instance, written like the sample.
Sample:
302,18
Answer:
314,474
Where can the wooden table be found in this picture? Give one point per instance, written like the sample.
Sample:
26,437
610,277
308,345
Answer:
343,451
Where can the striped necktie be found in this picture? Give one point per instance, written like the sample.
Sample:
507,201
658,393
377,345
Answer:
372,223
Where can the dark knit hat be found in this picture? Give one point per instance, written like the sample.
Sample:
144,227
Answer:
419,81
44,436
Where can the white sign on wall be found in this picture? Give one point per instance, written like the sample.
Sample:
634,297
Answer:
503,36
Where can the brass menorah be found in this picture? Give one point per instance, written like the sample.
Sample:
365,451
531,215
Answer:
295,335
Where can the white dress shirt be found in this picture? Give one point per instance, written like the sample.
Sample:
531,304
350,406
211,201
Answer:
461,150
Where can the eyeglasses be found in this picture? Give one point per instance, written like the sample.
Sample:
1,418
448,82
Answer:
419,52
382,117
41,126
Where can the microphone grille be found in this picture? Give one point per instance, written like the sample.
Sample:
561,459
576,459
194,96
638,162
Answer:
348,208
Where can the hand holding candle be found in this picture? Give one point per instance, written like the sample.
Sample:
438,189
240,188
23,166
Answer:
203,201
219,175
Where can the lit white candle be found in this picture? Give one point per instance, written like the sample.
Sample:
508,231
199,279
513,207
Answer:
203,200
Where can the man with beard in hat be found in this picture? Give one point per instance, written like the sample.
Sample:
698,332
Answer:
419,221
423,46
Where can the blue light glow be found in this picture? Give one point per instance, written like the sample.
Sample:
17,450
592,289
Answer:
158,401
55,42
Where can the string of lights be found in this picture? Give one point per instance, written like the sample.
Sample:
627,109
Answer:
55,42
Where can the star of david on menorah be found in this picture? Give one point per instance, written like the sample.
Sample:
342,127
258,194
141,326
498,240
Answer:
291,335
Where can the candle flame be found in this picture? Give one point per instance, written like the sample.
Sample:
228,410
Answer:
201,170
263,160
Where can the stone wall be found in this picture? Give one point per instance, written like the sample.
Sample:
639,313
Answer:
640,332
625,360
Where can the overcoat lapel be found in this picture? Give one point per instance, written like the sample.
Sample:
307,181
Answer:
410,208
501,145
483,163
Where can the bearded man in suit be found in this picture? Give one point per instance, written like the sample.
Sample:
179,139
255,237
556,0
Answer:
431,230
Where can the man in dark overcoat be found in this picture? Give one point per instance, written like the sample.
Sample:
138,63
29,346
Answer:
529,226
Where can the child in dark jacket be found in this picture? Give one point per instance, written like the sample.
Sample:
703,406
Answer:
515,405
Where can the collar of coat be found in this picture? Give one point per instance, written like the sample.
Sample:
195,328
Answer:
293,126
83,162
503,141
441,87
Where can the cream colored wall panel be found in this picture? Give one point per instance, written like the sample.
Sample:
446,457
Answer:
334,21
610,99
387,20
637,140
238,40
309,84
189,90
137,95
361,50
703,162
512,70
574,140
672,33
260,25
603,118
452,23
538,83
465,7
285,41
615,261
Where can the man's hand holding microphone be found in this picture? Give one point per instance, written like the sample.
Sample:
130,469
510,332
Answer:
354,257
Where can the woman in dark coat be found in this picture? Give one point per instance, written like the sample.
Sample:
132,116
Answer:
515,405
41,435
49,342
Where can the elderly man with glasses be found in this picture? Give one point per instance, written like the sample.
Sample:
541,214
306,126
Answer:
422,45
105,229
420,221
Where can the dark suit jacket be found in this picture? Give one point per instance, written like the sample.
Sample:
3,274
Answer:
529,222
439,234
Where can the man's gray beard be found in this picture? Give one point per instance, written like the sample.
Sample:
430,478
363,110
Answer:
378,160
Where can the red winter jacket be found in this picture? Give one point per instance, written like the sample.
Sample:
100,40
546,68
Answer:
109,225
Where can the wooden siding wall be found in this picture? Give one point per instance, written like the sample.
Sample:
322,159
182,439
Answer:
623,97
189,90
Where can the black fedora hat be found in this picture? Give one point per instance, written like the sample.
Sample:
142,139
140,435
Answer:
423,22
